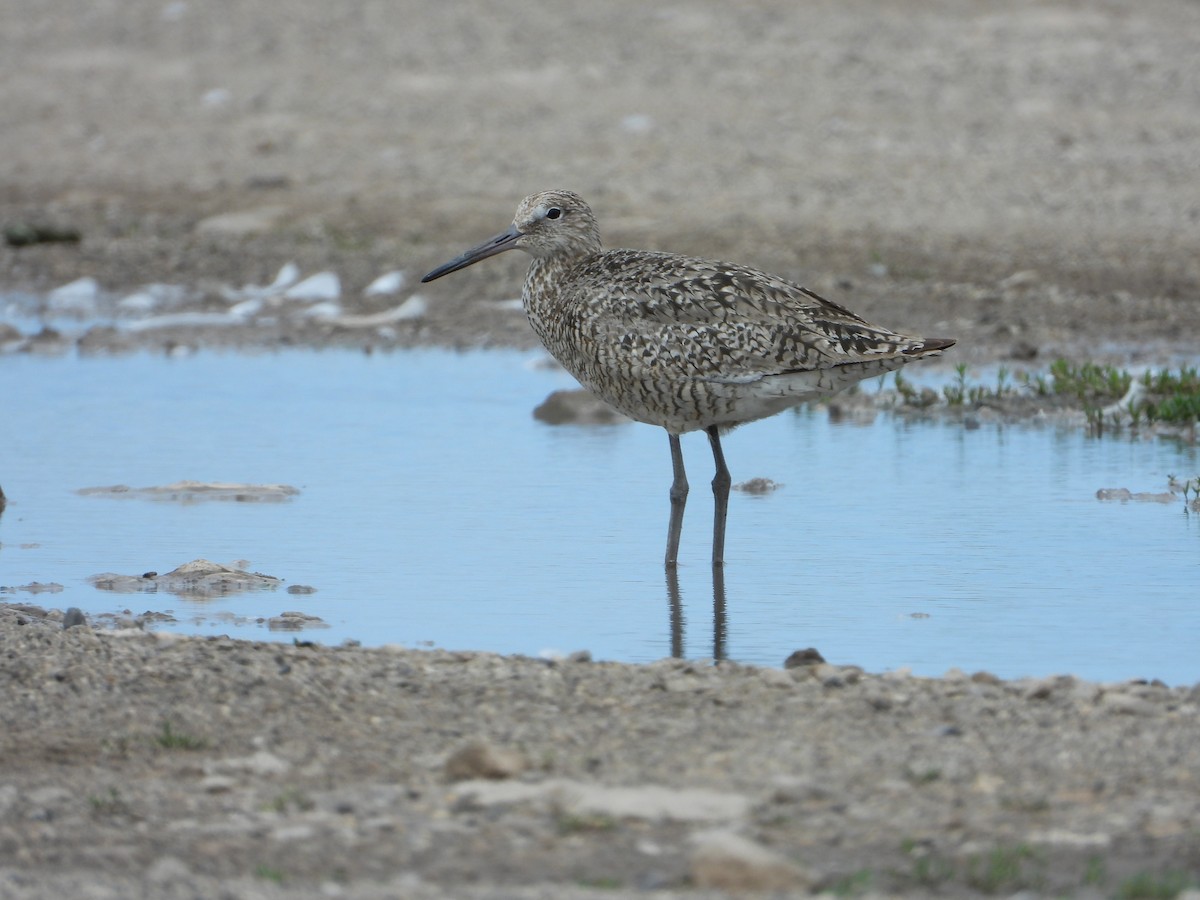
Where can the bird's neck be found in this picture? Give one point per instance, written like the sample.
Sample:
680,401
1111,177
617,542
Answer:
542,295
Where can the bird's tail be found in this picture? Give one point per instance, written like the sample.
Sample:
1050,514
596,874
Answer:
930,347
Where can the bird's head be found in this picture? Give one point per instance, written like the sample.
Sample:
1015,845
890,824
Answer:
547,224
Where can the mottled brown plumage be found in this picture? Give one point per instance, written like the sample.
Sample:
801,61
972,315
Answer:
682,342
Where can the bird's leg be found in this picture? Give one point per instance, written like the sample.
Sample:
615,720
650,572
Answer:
679,492
720,486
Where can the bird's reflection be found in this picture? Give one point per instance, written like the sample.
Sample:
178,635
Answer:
675,605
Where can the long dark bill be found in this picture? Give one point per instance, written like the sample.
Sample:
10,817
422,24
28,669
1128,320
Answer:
506,240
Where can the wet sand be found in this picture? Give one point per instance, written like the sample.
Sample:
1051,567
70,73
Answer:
1021,180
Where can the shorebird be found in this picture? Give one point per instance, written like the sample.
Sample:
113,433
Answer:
684,343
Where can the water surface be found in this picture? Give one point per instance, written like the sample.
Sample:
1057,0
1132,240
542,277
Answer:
435,510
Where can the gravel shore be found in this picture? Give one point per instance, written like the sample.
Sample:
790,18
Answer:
152,765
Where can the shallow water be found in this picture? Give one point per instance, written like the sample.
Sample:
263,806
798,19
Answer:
434,510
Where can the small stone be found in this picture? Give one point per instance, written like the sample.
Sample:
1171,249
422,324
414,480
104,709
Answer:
684,684
757,486
216,97
1041,689
73,617
483,760
809,657
295,621
217,784
776,678
241,224
1125,704
832,676
260,762
797,789
725,861
1019,281
1023,351
576,407
637,123
166,870
648,802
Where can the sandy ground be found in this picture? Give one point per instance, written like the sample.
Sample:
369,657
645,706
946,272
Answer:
1024,179
907,159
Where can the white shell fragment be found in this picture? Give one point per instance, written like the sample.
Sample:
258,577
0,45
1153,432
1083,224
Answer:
322,286
412,308
387,283
78,297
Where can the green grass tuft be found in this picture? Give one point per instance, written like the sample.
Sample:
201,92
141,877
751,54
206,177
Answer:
1148,886
173,740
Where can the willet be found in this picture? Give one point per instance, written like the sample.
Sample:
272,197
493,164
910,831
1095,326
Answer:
684,343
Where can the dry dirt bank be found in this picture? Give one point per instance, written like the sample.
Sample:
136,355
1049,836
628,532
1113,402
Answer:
144,765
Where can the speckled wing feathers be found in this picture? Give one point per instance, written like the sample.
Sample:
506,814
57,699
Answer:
733,323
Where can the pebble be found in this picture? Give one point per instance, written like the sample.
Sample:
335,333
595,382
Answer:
684,684
1125,704
217,784
757,486
798,789
776,678
648,802
1020,281
726,861
637,123
295,621
166,870
800,658
243,223
480,759
260,762
216,97
576,406
9,335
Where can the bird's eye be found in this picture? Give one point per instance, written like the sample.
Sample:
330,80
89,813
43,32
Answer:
553,212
